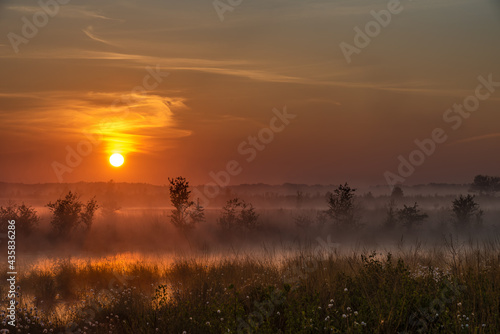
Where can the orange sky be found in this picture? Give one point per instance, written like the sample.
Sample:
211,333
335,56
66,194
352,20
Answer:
99,70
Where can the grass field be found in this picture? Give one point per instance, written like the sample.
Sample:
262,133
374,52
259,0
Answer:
312,289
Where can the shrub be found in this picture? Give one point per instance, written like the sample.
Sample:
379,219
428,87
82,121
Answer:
397,193
25,216
69,212
464,208
238,214
411,215
485,185
341,206
187,214
391,218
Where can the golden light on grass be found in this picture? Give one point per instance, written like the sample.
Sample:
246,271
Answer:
116,159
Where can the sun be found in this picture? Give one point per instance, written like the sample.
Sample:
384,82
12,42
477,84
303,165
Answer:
116,159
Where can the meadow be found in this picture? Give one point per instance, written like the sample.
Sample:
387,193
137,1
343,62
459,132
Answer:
314,289
292,272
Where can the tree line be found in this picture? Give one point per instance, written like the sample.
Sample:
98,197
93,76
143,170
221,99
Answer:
70,213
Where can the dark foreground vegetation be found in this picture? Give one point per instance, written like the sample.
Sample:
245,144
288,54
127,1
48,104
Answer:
315,290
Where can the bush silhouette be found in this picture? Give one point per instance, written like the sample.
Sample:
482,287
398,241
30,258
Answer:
187,214
411,215
397,193
391,217
485,185
341,206
69,212
238,214
25,216
464,209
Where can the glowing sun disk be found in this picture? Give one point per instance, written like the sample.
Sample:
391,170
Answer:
116,159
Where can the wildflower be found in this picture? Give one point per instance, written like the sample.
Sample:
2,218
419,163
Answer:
344,316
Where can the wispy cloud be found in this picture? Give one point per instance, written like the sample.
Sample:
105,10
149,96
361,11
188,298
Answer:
476,138
66,11
145,123
89,31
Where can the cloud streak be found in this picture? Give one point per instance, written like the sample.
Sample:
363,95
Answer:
477,138
144,124
89,31
67,11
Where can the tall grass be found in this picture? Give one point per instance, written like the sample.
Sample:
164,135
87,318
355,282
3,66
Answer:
446,289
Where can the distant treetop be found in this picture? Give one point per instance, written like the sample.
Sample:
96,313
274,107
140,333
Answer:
485,185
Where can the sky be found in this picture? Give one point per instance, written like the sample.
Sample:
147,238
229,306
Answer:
240,91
